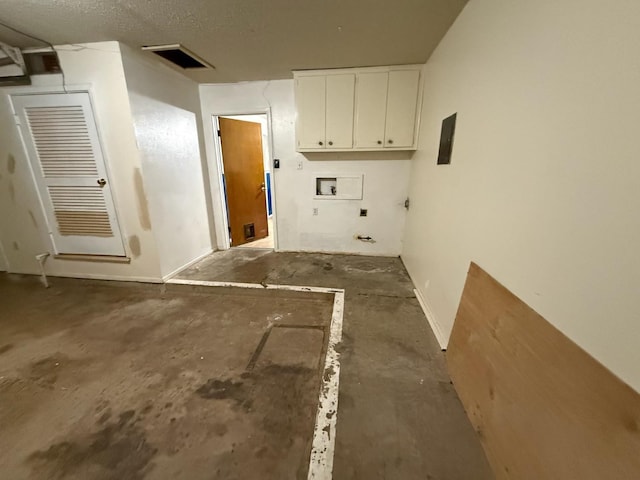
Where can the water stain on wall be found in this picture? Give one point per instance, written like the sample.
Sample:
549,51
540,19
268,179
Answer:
143,207
33,219
134,245
11,164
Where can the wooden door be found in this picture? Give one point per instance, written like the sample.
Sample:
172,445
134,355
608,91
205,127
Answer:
402,101
371,106
62,142
339,121
244,176
311,104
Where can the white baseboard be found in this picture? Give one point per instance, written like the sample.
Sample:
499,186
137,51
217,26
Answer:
186,265
117,278
442,340
335,252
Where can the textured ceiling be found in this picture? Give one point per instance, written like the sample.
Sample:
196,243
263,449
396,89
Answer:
246,39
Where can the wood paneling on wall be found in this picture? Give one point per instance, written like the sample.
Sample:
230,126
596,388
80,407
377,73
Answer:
542,406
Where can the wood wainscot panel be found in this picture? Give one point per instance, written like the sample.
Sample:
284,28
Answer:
542,406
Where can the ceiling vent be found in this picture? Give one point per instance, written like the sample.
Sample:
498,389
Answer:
180,56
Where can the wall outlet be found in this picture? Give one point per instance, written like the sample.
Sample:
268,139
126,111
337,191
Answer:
315,211
363,212
299,164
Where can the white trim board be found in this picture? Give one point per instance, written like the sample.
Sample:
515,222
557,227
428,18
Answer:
324,433
440,337
90,276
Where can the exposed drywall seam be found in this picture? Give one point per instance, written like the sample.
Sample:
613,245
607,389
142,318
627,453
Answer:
324,433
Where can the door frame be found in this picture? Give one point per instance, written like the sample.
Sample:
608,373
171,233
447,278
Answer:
225,243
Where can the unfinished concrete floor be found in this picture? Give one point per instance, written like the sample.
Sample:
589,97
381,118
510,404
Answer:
102,380
113,381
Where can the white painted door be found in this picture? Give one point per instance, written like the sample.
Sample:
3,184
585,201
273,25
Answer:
311,103
339,120
402,101
62,143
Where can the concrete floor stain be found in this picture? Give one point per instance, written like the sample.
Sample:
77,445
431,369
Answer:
119,450
46,370
222,390
111,383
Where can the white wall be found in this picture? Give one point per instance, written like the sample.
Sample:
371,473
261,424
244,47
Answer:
166,115
333,230
544,187
23,231
3,260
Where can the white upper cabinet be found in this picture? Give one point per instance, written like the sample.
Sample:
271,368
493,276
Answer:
311,105
325,111
361,109
371,109
402,98
339,118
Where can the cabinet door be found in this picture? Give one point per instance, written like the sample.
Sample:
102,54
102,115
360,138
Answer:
311,104
339,121
371,106
401,108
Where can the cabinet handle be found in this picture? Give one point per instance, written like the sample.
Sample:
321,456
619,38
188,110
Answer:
379,142
390,141
320,143
330,143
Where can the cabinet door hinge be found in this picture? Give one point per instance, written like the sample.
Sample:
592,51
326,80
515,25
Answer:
219,133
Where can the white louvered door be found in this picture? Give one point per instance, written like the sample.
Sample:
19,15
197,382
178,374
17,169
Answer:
62,141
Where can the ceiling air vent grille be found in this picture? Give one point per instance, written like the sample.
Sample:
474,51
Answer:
179,56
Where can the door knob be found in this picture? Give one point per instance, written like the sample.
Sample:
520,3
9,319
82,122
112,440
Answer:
102,182
262,187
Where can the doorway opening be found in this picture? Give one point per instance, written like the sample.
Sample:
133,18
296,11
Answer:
247,181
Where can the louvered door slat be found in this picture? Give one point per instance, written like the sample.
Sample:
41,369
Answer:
62,153
66,154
